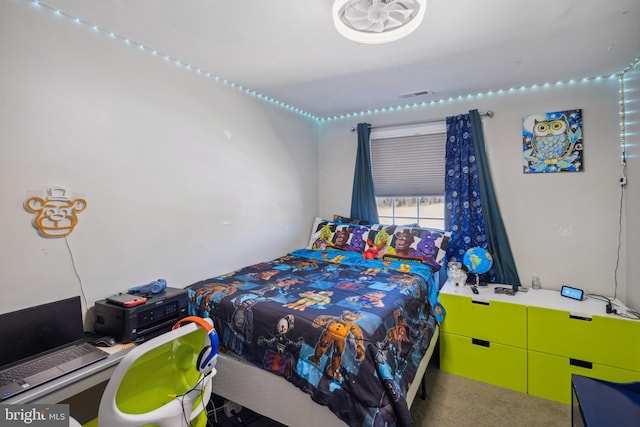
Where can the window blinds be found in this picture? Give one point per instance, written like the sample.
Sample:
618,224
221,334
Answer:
409,166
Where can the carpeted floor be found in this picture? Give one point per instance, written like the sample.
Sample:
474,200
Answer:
454,401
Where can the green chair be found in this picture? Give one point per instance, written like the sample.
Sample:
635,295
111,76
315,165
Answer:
164,381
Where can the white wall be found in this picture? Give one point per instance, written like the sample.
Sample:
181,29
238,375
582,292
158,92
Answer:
163,156
562,227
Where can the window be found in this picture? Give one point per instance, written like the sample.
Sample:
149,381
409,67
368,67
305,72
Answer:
408,165
427,211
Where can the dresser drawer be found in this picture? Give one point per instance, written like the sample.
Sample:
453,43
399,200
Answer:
494,321
489,362
549,376
599,339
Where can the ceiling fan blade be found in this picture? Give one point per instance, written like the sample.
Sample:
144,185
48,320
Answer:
352,14
361,7
393,23
403,12
376,27
360,24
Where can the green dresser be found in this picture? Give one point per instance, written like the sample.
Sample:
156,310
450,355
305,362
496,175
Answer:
561,344
532,342
485,341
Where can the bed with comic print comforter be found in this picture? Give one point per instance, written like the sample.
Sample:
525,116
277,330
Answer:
348,331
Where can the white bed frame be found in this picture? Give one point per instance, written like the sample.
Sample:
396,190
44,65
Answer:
276,398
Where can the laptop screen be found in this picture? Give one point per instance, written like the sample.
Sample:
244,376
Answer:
34,330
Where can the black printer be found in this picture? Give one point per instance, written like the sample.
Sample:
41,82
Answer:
143,321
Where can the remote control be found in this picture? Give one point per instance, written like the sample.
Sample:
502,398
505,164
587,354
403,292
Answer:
474,289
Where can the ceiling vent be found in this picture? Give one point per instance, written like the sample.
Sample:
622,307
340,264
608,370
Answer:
377,21
414,94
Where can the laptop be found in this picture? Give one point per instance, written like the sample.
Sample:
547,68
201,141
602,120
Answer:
41,344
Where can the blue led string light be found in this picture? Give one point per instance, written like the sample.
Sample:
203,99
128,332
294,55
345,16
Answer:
621,94
176,61
381,110
478,95
623,133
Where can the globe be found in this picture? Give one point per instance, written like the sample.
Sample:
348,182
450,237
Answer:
478,260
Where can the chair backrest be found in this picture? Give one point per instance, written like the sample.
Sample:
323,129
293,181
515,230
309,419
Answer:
159,383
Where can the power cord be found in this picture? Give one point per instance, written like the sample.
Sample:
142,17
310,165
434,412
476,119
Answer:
613,308
90,320
623,182
214,411
182,396
240,422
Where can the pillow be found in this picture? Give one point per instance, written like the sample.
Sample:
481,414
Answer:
409,244
314,229
344,220
332,235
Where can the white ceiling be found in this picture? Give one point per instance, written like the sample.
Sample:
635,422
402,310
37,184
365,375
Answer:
289,49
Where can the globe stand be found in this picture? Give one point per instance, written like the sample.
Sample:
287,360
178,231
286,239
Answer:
478,282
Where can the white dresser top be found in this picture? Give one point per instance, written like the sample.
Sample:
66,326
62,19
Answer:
544,298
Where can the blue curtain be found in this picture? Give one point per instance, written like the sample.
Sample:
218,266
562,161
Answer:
472,212
363,196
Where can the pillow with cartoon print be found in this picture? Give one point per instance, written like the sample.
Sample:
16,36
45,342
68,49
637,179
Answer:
409,244
332,235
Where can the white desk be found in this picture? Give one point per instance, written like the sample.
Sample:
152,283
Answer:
72,383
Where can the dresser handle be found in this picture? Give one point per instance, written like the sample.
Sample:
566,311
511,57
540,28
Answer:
581,363
576,317
480,302
483,343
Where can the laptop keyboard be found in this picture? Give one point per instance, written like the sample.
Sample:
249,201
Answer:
39,365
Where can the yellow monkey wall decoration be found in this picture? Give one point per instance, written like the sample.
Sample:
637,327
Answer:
56,216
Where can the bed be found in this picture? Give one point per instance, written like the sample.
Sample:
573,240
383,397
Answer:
338,332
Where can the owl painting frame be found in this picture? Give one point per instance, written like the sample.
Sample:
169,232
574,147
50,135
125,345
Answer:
552,142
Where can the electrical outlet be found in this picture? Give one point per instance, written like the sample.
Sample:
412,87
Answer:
231,407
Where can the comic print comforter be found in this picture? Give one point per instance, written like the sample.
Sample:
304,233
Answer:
348,331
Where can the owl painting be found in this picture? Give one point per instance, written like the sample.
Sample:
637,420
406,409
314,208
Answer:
552,142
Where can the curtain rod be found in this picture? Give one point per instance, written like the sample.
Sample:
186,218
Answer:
489,113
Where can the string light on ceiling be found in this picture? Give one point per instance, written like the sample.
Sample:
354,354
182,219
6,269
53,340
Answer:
173,60
247,91
479,95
